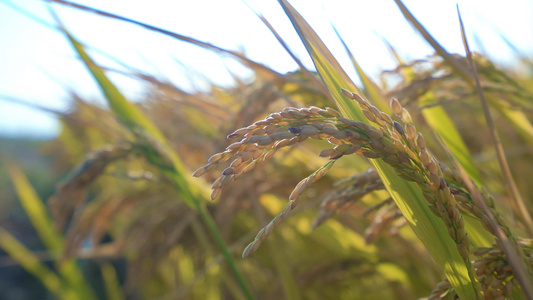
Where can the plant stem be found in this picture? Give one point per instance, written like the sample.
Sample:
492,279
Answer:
208,219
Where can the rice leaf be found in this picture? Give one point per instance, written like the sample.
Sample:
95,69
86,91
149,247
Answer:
407,196
135,120
43,224
259,68
374,92
308,74
35,209
18,252
439,120
112,285
518,120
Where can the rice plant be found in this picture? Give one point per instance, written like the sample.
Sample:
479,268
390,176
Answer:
336,192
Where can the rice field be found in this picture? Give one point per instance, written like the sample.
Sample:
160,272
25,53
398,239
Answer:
290,186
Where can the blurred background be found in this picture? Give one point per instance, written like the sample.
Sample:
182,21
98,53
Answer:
53,114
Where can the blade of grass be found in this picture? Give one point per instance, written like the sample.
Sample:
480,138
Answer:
35,209
502,160
260,68
18,252
112,286
135,120
407,196
457,66
293,56
43,224
518,120
407,73
29,15
32,105
467,75
439,120
371,88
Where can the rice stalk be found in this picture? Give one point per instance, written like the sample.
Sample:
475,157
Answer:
524,273
174,170
386,215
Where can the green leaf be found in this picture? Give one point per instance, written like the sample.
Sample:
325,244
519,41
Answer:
374,92
111,282
19,253
43,224
35,209
438,119
430,229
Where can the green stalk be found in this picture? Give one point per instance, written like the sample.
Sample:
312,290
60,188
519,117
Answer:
206,216
199,231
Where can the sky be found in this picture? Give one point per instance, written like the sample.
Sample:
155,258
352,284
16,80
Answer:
38,66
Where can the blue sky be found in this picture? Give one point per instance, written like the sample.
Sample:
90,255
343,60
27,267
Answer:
38,66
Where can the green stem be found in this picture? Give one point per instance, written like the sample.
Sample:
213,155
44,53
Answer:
227,255
199,205
202,237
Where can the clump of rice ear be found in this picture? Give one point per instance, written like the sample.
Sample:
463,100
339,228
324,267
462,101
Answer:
346,192
402,147
72,192
414,163
391,142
